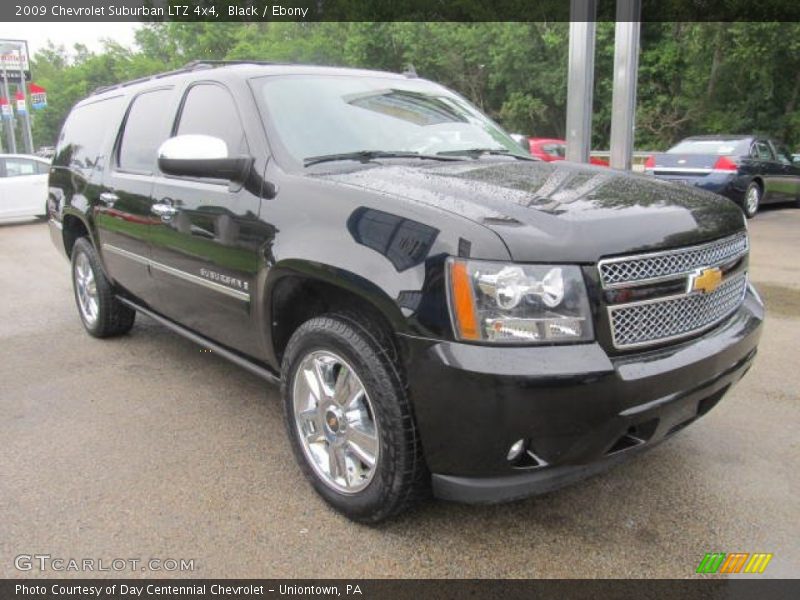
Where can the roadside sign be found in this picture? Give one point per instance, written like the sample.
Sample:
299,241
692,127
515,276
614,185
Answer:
5,109
38,96
22,108
10,59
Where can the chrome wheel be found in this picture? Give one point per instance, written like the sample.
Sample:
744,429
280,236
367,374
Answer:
86,289
335,422
752,199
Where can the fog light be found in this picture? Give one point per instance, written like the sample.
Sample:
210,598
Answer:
517,448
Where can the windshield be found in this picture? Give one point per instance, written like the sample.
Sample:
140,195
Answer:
321,115
718,147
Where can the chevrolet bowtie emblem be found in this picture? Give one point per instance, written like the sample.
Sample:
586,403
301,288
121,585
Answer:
705,280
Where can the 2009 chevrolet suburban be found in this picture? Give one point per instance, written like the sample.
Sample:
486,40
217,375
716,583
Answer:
443,312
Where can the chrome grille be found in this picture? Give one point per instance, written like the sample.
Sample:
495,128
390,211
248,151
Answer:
616,272
674,317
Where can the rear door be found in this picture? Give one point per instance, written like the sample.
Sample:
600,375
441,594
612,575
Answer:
206,248
123,212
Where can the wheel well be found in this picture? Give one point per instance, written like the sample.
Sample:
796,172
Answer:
73,228
759,182
297,299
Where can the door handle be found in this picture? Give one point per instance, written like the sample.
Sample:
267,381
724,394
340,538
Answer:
108,198
165,211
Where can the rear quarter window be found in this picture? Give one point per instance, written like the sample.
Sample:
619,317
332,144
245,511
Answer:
86,135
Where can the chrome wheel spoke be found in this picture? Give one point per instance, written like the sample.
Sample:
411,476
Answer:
337,465
322,371
363,444
312,383
347,388
311,426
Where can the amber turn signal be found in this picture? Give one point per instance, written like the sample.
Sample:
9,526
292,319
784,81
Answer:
463,301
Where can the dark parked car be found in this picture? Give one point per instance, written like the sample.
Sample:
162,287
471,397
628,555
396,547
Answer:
443,312
750,170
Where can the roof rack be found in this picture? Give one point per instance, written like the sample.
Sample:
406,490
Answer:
222,63
188,67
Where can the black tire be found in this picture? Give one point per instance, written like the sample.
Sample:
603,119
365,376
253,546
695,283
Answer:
400,478
749,208
113,318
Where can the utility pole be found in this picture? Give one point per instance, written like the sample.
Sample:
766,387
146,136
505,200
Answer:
27,135
580,79
9,123
626,63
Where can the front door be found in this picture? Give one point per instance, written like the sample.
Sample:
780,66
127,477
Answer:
207,240
770,170
123,212
790,172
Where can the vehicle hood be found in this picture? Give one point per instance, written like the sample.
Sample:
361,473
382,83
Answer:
557,212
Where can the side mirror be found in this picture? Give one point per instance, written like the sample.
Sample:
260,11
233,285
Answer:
522,140
202,156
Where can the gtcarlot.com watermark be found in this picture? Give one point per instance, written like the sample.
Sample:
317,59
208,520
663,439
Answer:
46,562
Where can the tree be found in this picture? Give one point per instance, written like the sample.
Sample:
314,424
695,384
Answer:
693,77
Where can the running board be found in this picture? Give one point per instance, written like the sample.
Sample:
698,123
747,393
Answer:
199,339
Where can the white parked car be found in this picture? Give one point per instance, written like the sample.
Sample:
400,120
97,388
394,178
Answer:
23,186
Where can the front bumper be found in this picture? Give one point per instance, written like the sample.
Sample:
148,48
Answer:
579,409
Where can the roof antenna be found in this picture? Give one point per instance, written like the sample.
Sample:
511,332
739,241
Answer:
410,71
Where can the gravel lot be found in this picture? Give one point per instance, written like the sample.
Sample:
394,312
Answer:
148,447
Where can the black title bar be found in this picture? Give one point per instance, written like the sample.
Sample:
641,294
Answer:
385,10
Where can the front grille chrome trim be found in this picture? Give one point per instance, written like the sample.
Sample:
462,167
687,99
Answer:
654,267
735,286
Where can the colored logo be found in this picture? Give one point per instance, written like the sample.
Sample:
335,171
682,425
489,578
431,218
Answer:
705,280
736,562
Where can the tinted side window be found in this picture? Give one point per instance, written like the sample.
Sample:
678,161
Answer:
761,151
146,127
16,167
781,153
209,110
81,144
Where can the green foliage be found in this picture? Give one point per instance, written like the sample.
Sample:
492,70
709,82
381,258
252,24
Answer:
693,77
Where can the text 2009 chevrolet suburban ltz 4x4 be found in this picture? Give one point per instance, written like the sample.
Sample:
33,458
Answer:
443,312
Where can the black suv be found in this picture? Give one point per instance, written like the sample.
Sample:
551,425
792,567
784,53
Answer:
443,312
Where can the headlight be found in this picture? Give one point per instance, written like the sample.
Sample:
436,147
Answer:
518,304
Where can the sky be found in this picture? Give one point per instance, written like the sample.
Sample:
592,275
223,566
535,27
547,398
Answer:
68,34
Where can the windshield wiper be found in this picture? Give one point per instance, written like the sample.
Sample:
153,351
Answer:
368,155
478,152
